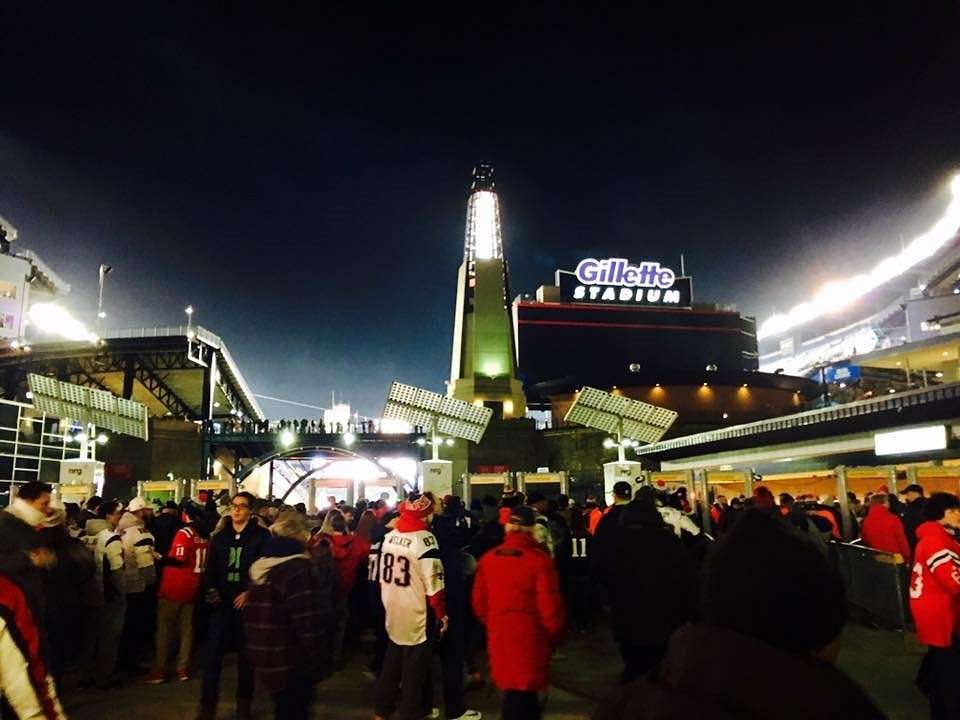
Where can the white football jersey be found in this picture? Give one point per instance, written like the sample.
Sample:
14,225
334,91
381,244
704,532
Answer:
410,571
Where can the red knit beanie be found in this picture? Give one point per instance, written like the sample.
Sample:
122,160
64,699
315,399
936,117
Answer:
419,508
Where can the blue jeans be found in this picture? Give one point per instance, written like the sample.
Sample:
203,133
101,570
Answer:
226,625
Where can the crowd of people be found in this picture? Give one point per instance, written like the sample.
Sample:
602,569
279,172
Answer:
491,589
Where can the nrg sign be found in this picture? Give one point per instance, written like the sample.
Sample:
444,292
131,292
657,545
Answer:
618,281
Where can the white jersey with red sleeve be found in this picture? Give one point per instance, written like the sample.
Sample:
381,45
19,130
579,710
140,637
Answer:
411,576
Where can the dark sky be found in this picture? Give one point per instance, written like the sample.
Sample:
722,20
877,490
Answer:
301,178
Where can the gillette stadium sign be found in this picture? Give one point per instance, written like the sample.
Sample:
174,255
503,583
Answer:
617,281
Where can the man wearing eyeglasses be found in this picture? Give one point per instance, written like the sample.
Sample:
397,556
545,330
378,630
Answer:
231,552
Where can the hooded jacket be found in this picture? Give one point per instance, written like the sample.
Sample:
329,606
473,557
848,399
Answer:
935,585
882,530
285,612
516,595
715,673
138,563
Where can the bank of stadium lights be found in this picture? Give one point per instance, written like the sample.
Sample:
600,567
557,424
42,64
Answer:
54,319
438,414
634,422
88,408
835,296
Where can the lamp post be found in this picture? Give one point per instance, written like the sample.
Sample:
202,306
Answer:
189,311
104,271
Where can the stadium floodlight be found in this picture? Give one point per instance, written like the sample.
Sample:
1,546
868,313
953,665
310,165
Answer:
835,296
437,413
89,407
630,420
54,319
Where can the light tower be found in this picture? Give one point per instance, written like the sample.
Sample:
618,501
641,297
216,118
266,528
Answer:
484,365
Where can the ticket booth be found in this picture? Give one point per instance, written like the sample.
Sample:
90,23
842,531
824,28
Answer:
809,484
161,491
669,481
203,490
729,483
549,484
482,484
863,480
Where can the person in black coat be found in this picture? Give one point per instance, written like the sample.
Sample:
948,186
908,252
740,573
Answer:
773,609
231,552
651,583
165,526
912,514
453,527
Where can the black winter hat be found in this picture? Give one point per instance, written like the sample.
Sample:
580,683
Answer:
523,515
762,580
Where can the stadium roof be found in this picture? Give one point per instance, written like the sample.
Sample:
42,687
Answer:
165,368
941,402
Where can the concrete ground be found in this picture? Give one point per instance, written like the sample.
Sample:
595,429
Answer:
883,663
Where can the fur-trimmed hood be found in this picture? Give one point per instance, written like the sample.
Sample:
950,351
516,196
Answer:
262,567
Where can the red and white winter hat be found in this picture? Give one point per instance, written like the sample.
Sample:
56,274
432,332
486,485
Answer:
420,508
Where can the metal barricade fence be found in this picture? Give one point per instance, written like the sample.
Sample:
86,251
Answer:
876,584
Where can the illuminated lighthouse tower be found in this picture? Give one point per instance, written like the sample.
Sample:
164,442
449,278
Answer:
484,366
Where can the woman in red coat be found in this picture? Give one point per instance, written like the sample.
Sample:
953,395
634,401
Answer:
516,595
347,551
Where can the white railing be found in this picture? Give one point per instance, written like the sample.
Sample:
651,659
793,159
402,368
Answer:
204,336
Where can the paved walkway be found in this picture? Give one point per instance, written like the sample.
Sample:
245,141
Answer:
884,663
347,695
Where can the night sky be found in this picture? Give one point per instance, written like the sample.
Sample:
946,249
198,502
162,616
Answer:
301,179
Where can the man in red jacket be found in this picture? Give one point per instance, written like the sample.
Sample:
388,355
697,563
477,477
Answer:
517,597
882,530
935,603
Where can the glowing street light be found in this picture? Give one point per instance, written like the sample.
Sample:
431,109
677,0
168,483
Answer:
104,271
287,438
102,439
349,438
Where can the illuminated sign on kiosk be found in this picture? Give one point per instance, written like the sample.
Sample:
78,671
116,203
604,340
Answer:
618,281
